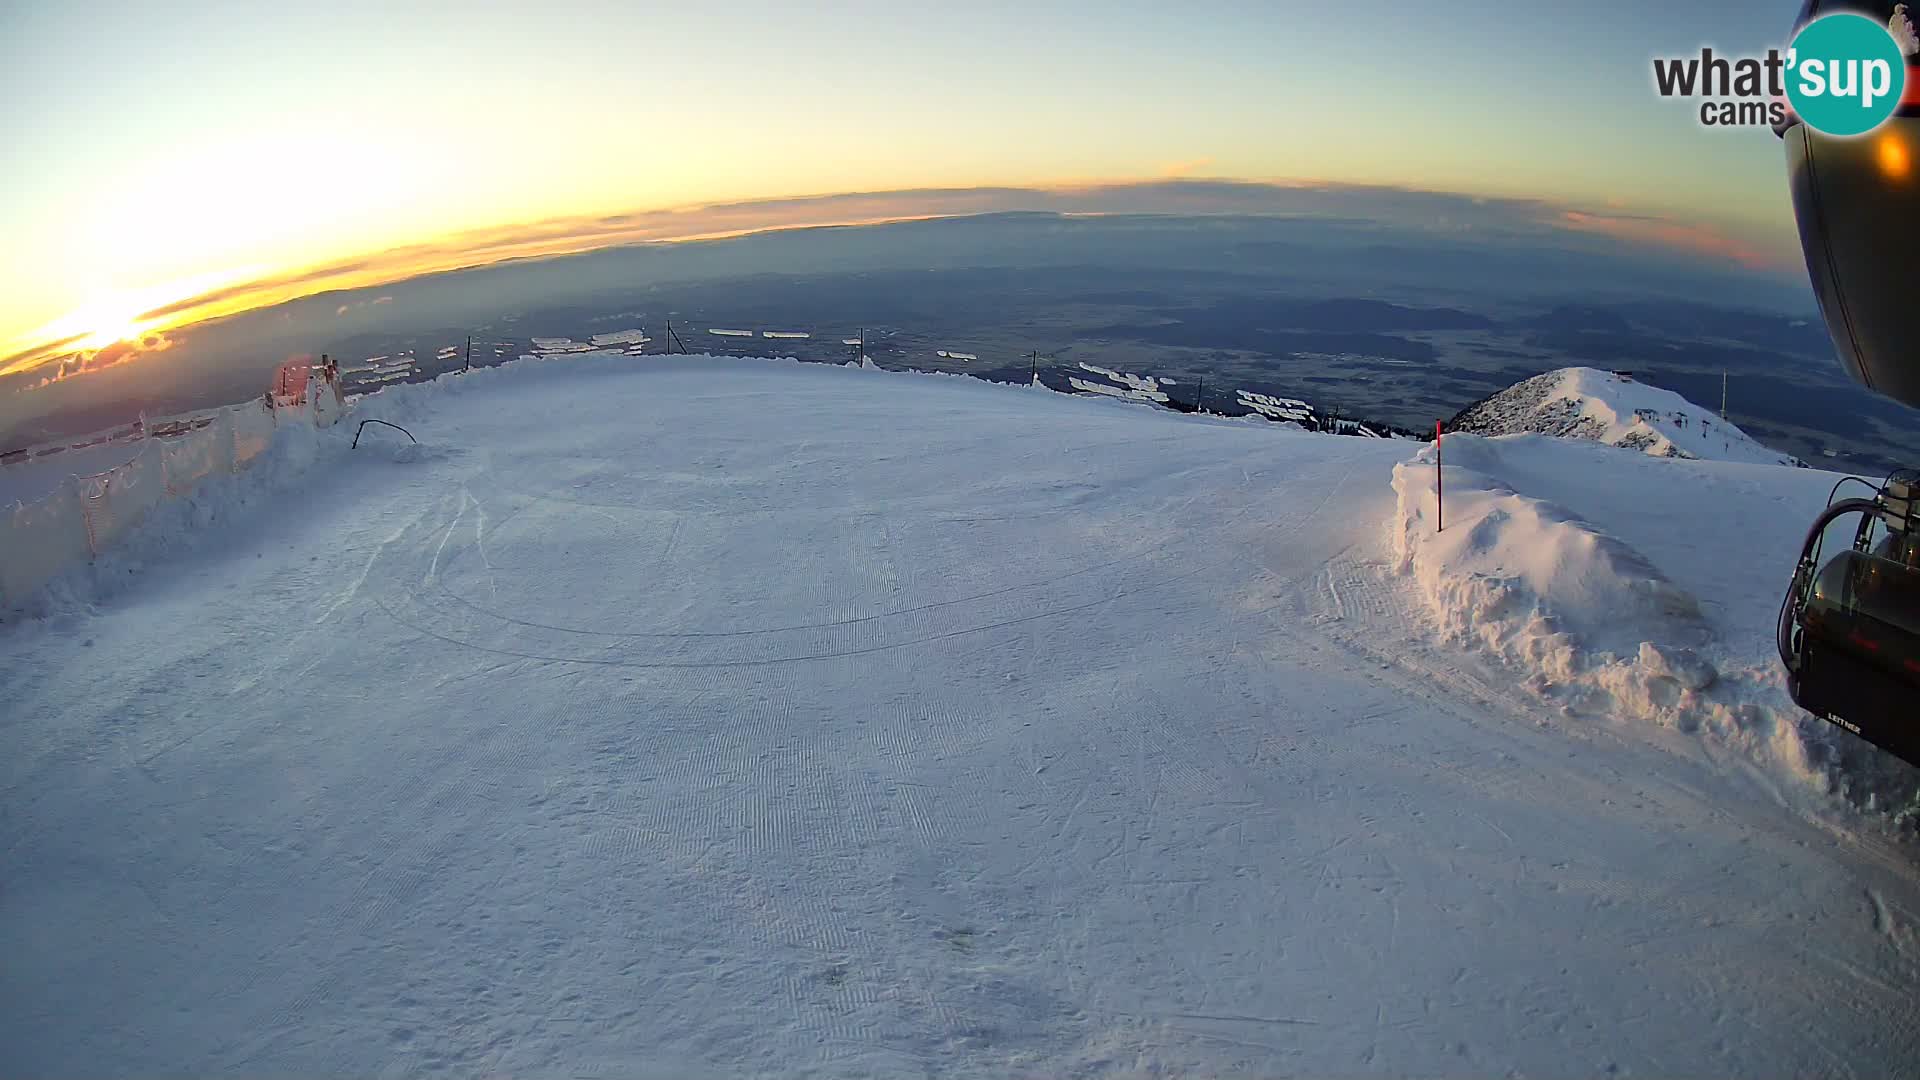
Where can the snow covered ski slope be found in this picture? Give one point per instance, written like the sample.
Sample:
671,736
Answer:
685,717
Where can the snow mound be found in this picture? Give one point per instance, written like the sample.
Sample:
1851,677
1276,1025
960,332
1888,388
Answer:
1277,408
1602,627
1585,403
1529,578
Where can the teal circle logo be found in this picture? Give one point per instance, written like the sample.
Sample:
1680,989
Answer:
1846,74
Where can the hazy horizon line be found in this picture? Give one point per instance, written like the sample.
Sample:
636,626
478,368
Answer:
557,237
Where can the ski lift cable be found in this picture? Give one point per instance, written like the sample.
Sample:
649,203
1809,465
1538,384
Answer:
1855,479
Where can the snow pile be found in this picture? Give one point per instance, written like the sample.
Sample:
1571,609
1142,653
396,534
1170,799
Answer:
1123,385
32,472
49,567
60,548
1532,581
1585,403
376,376
1277,408
559,346
1612,622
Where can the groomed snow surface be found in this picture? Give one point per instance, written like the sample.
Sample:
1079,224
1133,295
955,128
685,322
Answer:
690,717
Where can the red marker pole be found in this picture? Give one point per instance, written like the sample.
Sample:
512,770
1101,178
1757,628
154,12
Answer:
1439,481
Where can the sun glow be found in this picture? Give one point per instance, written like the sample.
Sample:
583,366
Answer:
115,314
101,322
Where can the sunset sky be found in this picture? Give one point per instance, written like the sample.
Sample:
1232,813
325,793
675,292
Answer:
153,153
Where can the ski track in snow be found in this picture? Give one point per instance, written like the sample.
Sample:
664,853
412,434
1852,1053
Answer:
712,718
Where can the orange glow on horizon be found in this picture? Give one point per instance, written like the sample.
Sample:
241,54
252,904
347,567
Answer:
1697,240
115,315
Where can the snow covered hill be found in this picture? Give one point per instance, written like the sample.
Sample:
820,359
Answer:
684,716
1585,403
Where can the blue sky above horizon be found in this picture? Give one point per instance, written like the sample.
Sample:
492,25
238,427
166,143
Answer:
152,155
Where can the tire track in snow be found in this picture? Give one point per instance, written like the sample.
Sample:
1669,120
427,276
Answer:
910,743
757,810
833,651
893,738
1107,567
1376,619
944,726
1386,625
821,603
928,828
866,825
809,657
1199,768
839,1006
716,819
247,856
472,777
805,499
454,793
784,796
880,827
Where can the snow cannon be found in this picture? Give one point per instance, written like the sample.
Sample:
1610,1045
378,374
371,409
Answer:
1849,631
1857,201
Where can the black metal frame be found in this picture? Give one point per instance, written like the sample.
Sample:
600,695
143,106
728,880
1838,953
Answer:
1840,663
382,423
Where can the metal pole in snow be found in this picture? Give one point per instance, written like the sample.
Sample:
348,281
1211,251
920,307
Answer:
1439,481
468,365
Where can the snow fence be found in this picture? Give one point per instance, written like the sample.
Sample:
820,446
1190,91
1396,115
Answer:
40,540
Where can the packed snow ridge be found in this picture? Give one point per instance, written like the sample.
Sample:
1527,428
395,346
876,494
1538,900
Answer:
1639,587
1586,403
1590,573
